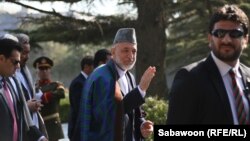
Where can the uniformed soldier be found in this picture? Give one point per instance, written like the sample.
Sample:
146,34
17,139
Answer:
52,93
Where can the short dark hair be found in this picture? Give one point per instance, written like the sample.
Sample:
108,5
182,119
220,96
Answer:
101,55
87,60
230,13
7,46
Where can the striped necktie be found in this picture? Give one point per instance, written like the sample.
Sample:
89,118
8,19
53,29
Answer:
240,109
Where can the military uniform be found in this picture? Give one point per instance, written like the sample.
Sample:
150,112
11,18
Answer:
52,93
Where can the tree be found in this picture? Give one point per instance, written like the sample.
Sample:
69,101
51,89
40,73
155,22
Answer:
188,29
152,42
182,20
150,28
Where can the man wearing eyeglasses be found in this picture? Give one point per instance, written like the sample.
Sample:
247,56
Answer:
215,90
22,121
53,92
9,121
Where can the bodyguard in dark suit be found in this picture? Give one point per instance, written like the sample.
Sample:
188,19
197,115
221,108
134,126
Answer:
9,120
26,130
110,102
14,114
215,90
75,91
29,132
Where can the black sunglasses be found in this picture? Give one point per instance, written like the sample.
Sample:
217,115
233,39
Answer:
221,33
15,62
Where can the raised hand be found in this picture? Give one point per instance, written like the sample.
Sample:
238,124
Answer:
146,78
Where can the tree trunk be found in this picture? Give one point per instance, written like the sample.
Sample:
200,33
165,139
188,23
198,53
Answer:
151,39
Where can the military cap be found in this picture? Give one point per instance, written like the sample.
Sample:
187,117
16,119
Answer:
43,61
125,35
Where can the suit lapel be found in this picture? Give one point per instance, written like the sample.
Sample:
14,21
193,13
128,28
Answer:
131,81
14,97
29,80
3,95
218,84
246,79
1,89
81,76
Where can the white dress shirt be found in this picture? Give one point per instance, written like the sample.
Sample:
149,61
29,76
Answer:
124,82
224,69
84,74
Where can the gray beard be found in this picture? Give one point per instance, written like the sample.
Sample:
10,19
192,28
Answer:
124,67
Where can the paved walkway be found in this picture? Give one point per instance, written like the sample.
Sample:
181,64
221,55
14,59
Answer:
65,131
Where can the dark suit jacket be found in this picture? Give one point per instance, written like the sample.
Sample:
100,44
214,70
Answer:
6,131
98,107
27,132
6,118
29,80
75,91
198,95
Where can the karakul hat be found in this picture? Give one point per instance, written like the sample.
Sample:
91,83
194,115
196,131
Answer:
125,35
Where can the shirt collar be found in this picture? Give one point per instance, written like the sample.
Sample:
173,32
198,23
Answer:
18,70
224,68
84,74
120,71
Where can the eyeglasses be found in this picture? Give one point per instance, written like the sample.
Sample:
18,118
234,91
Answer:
14,62
221,33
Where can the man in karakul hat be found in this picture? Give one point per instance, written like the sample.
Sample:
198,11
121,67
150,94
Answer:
110,103
52,93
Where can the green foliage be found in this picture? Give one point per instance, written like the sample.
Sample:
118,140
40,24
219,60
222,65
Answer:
66,58
64,108
188,29
155,109
186,23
